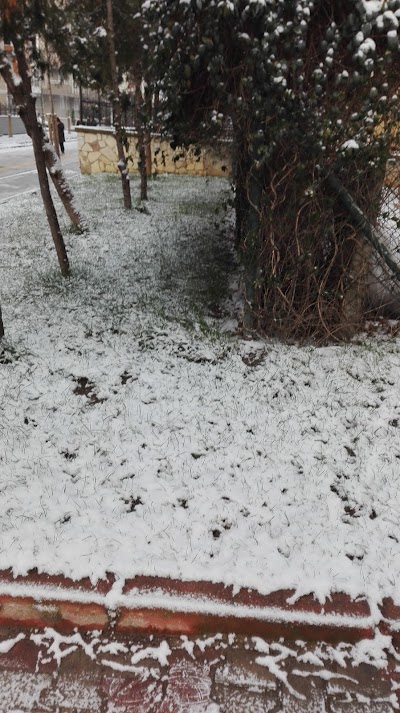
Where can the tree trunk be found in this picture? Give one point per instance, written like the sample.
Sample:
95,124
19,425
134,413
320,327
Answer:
61,185
22,95
354,297
53,165
251,247
122,163
80,103
142,168
148,153
142,163
1,325
56,141
241,168
28,115
249,196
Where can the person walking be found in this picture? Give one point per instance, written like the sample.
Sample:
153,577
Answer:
61,134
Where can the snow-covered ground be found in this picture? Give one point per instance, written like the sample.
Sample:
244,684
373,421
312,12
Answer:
14,142
22,140
141,435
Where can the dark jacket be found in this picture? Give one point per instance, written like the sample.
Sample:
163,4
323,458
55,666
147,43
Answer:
61,134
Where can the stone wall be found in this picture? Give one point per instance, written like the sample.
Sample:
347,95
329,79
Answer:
98,154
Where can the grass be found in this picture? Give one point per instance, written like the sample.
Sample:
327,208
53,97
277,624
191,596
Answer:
123,387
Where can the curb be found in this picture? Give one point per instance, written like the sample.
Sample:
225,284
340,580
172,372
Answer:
162,605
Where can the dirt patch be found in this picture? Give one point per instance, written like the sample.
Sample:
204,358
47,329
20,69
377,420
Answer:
85,387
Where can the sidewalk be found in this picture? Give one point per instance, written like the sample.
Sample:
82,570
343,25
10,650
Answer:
8,143
50,673
153,645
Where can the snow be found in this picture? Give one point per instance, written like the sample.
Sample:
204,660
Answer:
14,142
7,644
367,46
188,604
391,18
288,662
374,6
272,663
277,656
159,653
17,141
373,651
140,435
325,675
350,145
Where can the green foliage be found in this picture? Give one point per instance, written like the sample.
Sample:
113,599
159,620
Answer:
83,50
305,88
73,32
322,70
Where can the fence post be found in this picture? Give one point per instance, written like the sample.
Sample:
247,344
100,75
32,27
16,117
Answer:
10,128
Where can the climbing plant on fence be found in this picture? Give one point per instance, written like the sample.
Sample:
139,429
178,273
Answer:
309,90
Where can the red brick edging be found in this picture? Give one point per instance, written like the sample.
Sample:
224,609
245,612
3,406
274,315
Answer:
162,605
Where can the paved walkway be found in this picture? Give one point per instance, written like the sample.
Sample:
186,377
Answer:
48,672
18,174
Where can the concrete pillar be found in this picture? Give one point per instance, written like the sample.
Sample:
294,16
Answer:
10,126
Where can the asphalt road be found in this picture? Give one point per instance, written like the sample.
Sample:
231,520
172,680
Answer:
18,173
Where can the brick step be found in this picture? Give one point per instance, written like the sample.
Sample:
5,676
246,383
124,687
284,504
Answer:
164,605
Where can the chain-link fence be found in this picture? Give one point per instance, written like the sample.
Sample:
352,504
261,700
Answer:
384,276
321,243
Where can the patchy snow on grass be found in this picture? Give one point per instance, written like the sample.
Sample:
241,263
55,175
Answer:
141,435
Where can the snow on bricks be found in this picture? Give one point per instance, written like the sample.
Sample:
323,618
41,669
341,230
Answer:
217,674
76,692
154,604
188,689
137,694
22,691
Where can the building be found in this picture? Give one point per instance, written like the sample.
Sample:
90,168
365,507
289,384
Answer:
54,94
